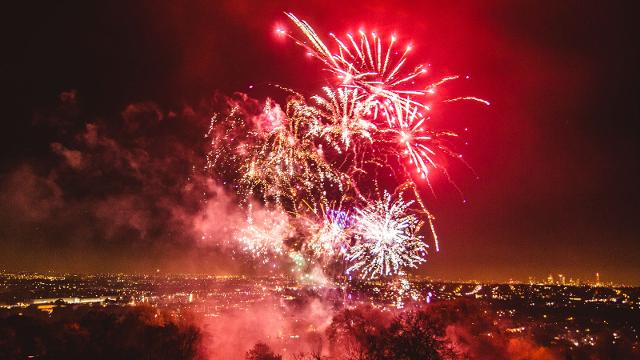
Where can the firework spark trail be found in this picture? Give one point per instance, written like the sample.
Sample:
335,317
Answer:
345,111
286,166
369,64
388,239
407,125
423,147
364,64
471,98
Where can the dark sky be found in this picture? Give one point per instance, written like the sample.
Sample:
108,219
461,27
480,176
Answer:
556,152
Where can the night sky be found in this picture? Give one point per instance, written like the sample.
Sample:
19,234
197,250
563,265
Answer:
104,115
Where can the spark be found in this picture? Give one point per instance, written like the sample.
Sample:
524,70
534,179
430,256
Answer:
263,237
471,98
388,240
345,111
416,140
366,62
331,237
285,166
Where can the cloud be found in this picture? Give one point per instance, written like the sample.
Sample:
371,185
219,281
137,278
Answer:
287,327
135,183
28,197
72,157
128,183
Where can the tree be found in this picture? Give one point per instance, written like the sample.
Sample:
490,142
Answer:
262,351
367,333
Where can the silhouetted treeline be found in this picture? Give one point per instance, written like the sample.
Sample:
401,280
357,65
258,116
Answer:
97,333
368,333
460,329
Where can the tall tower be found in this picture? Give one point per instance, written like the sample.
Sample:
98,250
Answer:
597,279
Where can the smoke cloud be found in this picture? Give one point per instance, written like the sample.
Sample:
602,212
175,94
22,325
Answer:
132,186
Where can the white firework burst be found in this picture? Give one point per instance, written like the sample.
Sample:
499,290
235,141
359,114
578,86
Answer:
387,239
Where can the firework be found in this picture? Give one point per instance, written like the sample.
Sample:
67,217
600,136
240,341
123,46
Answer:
375,83
264,235
388,239
286,166
370,121
365,62
416,141
346,113
330,238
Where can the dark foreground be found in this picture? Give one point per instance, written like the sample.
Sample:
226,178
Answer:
444,330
